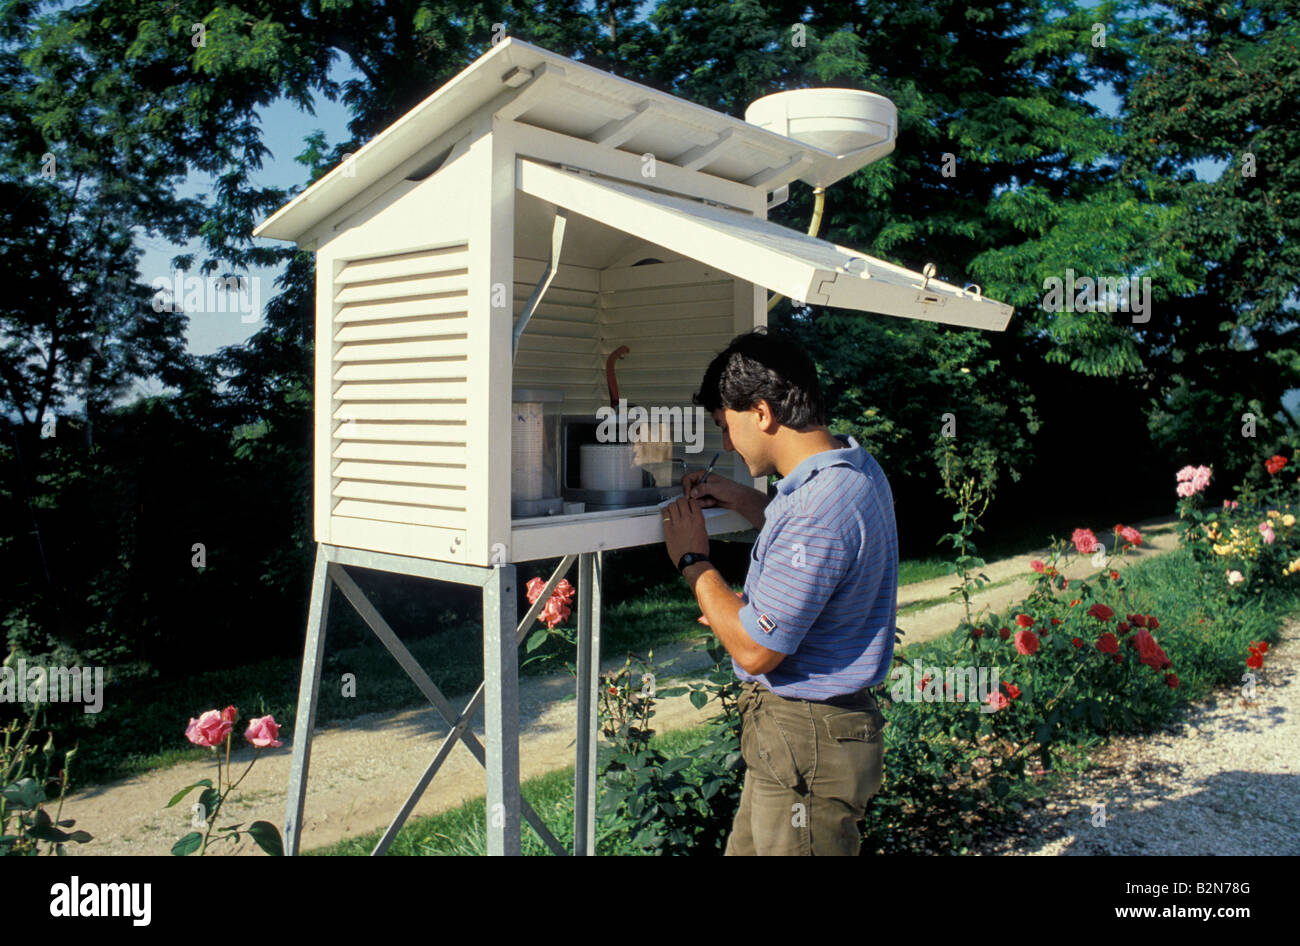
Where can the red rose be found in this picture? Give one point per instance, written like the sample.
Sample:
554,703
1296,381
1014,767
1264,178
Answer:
1024,620
1055,621
1152,623
1137,620
1101,612
977,632
1037,566
1171,680
1254,661
1114,575
1026,642
1076,642
1013,691
1107,643
1151,653
1004,632
1274,464
1123,627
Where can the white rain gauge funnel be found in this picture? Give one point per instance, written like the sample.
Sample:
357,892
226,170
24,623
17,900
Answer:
534,453
853,127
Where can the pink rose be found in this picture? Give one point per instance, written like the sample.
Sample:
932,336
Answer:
1266,530
1186,473
1085,541
1185,490
1230,504
1201,479
262,732
208,730
1130,535
1037,566
1235,577
998,700
564,590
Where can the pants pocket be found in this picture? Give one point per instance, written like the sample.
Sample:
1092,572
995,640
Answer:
854,757
764,745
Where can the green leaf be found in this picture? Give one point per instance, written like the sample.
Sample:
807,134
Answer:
188,844
210,799
537,639
187,789
699,698
25,793
81,837
267,837
671,691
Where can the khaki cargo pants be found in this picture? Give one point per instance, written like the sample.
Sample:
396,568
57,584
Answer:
810,770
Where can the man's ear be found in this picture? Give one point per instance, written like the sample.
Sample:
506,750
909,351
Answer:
767,422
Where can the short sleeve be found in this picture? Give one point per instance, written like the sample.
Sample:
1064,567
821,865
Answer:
802,566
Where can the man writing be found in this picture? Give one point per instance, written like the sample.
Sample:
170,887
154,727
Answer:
815,631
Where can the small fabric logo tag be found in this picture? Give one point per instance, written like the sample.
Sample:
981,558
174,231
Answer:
766,623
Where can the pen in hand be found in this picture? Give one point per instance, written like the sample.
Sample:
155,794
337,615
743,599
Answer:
705,477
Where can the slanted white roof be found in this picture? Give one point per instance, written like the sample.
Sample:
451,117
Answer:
570,98
794,264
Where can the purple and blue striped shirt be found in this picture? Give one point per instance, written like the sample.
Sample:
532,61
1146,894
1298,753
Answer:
823,577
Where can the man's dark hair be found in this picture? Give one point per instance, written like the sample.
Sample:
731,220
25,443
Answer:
764,366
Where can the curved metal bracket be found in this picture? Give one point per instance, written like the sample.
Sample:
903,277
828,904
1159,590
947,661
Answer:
548,274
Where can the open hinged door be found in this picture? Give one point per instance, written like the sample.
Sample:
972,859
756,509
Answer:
794,264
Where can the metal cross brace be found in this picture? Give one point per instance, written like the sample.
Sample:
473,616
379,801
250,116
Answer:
333,572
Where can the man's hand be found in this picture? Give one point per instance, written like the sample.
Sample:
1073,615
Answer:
725,494
684,529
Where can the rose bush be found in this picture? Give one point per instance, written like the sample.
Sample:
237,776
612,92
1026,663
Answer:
212,729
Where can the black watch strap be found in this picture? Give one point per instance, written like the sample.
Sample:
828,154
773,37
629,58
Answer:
690,558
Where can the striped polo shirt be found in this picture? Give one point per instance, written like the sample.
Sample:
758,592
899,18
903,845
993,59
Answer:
823,577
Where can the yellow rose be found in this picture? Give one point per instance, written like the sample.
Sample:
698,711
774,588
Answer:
1288,520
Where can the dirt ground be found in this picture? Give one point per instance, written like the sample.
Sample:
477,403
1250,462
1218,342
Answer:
363,769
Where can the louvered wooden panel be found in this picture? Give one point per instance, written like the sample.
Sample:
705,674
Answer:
452,454
451,368
401,493
399,265
454,304
400,410
420,473
418,515
401,364
672,314
439,390
449,432
436,283
447,325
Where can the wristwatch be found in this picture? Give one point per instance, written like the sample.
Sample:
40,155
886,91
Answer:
690,558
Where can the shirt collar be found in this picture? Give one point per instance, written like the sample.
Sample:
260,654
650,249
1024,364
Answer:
850,455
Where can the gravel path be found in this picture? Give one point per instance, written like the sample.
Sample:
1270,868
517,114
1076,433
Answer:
1224,782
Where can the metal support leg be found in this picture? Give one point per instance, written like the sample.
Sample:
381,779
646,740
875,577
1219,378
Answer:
501,712
304,724
588,684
